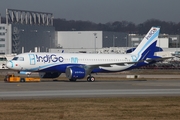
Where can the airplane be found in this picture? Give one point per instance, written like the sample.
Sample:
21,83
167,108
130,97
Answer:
81,65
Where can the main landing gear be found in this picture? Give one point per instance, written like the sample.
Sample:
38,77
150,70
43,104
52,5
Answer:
90,79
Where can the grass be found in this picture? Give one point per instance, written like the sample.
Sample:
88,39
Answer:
136,108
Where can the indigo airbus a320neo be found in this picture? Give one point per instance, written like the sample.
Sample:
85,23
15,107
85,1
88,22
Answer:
81,65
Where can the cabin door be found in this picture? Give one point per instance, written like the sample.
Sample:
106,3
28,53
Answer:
32,59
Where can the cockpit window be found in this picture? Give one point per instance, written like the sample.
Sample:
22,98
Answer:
21,59
15,58
18,58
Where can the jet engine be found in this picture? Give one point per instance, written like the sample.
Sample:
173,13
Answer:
75,73
49,74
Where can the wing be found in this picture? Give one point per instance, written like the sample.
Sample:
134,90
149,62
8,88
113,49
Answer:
111,64
90,67
149,60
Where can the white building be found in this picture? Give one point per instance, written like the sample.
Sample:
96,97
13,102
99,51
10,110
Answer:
80,39
2,38
88,41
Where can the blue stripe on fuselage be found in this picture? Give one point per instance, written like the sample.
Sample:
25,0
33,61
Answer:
59,68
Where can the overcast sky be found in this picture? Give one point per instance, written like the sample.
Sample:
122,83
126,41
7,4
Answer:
101,11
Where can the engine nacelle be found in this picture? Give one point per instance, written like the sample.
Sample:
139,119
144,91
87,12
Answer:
49,74
75,73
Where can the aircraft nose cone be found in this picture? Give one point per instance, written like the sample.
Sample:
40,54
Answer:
9,64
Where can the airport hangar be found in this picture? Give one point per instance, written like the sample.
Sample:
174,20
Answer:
27,31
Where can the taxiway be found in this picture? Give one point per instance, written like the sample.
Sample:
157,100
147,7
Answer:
100,88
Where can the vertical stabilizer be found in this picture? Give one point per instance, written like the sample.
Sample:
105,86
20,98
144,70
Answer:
147,46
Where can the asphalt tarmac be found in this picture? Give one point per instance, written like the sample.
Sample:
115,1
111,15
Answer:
99,88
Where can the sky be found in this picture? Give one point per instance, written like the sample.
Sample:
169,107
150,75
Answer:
100,11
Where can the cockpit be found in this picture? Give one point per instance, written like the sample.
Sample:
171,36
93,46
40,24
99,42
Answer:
18,59
15,63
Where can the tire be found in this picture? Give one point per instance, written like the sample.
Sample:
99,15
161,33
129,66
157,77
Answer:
92,79
22,80
89,79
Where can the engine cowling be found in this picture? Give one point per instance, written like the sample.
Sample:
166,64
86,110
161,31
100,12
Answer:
75,73
49,74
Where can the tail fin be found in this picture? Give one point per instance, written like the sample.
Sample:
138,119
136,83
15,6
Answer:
147,46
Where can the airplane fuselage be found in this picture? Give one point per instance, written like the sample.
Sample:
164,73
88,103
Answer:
54,62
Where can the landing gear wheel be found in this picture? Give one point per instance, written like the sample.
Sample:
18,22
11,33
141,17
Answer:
90,79
72,80
22,80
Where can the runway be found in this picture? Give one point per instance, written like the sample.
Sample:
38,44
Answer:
100,88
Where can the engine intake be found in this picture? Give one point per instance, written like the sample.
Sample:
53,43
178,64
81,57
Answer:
75,73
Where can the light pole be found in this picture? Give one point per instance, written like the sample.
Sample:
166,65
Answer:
35,36
176,44
159,44
50,40
22,49
95,36
126,40
7,43
49,34
114,40
104,42
42,49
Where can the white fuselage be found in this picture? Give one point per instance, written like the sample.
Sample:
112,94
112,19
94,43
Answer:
40,61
